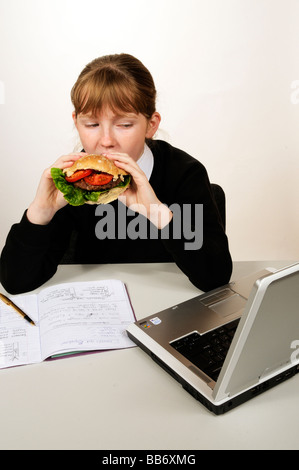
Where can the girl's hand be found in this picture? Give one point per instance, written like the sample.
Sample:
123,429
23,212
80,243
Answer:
140,196
48,199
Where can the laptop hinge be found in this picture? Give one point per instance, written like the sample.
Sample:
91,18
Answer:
268,373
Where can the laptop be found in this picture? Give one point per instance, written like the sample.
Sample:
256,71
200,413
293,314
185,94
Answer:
231,344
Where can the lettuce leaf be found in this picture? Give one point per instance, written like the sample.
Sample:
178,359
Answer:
77,196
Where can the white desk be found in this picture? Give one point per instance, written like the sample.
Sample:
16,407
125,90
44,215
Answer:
123,400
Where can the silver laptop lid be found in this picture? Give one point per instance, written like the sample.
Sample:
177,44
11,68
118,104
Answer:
262,344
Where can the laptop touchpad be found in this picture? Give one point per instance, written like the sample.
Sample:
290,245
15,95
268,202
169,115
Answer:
228,306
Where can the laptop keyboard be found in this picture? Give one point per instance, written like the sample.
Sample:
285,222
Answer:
207,351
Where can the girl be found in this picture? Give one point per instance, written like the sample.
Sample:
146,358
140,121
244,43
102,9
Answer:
115,115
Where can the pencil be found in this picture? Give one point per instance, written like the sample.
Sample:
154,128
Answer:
10,303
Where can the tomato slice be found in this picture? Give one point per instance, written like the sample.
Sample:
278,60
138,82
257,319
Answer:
78,175
98,179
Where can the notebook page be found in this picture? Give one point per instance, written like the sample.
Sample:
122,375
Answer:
84,316
19,340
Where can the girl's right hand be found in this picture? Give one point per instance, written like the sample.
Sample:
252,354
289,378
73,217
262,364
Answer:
48,199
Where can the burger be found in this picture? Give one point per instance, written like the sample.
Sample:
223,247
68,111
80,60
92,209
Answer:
93,179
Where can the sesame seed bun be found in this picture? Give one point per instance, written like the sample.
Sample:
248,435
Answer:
95,162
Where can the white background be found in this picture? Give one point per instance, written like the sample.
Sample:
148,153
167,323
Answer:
227,75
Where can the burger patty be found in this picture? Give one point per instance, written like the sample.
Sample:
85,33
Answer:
102,187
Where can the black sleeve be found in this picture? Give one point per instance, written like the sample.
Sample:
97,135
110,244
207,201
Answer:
207,264
32,253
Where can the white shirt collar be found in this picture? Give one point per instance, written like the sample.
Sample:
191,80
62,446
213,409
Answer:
146,161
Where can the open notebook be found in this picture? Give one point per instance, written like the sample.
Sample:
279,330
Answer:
70,318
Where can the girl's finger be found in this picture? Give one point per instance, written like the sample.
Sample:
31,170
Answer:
66,161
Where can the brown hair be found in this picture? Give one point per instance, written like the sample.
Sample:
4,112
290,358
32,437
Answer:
119,81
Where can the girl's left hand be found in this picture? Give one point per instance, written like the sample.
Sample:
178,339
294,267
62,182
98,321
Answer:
140,196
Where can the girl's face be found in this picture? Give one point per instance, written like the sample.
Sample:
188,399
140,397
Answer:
116,133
